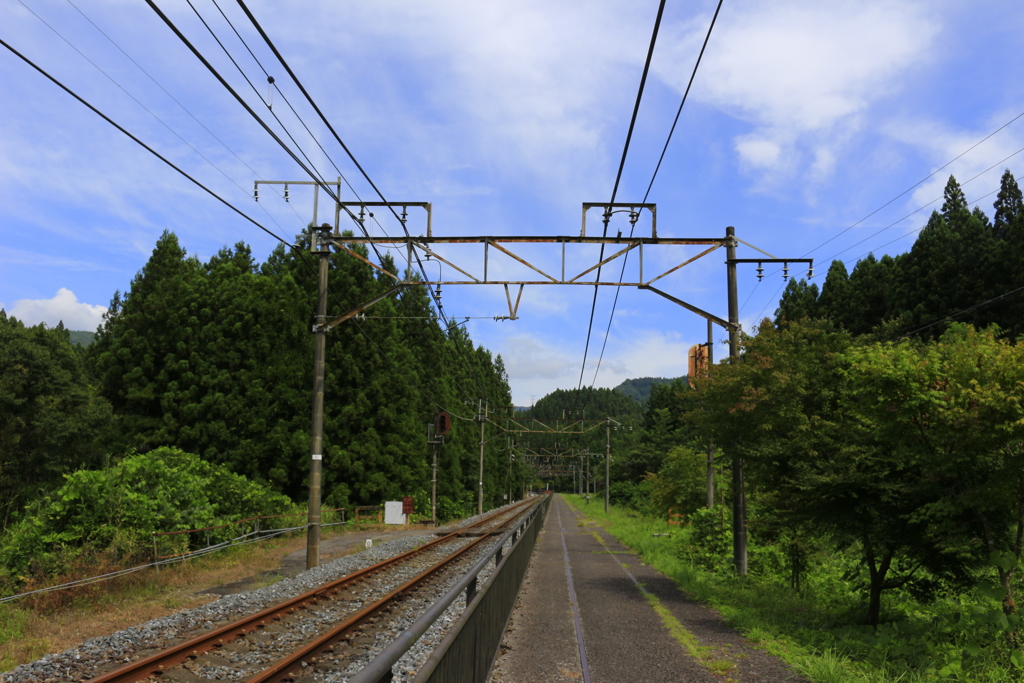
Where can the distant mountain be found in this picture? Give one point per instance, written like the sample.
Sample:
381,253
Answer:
640,389
82,337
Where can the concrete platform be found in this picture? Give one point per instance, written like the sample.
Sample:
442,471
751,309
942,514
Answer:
584,587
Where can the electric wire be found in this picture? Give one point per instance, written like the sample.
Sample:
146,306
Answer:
915,211
152,151
311,172
181,36
964,311
921,208
912,232
144,107
149,149
341,143
295,113
928,177
175,100
664,149
326,122
615,187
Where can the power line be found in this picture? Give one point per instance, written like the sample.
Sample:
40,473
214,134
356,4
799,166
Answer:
143,106
668,139
618,178
297,249
921,208
334,133
927,177
174,99
142,144
957,314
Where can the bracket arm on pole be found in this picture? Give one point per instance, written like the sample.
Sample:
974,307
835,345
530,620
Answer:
690,307
362,307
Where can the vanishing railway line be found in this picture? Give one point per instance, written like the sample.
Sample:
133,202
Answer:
325,629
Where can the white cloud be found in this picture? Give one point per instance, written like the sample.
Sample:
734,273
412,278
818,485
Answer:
527,357
798,69
941,142
757,151
64,306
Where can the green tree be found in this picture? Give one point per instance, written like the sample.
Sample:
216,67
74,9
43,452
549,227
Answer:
954,410
799,300
785,409
51,419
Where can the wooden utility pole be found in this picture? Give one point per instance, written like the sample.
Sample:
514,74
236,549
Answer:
316,440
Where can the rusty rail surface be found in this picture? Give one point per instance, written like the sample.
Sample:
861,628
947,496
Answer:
158,663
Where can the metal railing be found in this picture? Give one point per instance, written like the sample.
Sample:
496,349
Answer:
468,650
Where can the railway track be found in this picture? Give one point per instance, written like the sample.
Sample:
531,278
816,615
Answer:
327,628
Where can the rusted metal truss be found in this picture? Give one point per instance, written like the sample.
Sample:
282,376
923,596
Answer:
508,248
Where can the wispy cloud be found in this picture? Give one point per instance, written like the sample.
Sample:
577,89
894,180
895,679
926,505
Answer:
797,71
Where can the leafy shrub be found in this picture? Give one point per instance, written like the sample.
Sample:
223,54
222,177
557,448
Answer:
681,482
708,541
116,509
632,495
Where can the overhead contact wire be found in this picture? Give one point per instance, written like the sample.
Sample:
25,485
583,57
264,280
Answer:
664,149
615,187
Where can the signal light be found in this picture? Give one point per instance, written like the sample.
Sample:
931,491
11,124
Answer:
442,423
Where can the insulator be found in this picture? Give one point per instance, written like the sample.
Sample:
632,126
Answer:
785,271
810,272
760,271
256,191
286,191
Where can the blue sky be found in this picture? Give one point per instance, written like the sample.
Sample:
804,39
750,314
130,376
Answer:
805,117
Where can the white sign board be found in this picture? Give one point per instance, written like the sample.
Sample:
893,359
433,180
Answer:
393,512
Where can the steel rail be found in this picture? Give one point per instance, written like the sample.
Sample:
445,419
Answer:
379,667
289,668
158,663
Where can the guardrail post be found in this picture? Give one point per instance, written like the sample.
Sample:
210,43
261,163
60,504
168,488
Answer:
156,555
497,556
471,590
387,677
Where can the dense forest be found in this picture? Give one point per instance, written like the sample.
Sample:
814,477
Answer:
961,264
641,387
215,359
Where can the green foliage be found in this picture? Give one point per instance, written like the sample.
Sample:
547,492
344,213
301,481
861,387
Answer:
51,419
116,509
214,358
681,483
640,389
959,259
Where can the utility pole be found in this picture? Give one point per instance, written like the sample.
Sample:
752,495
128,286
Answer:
482,416
434,440
607,460
711,444
739,496
316,441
